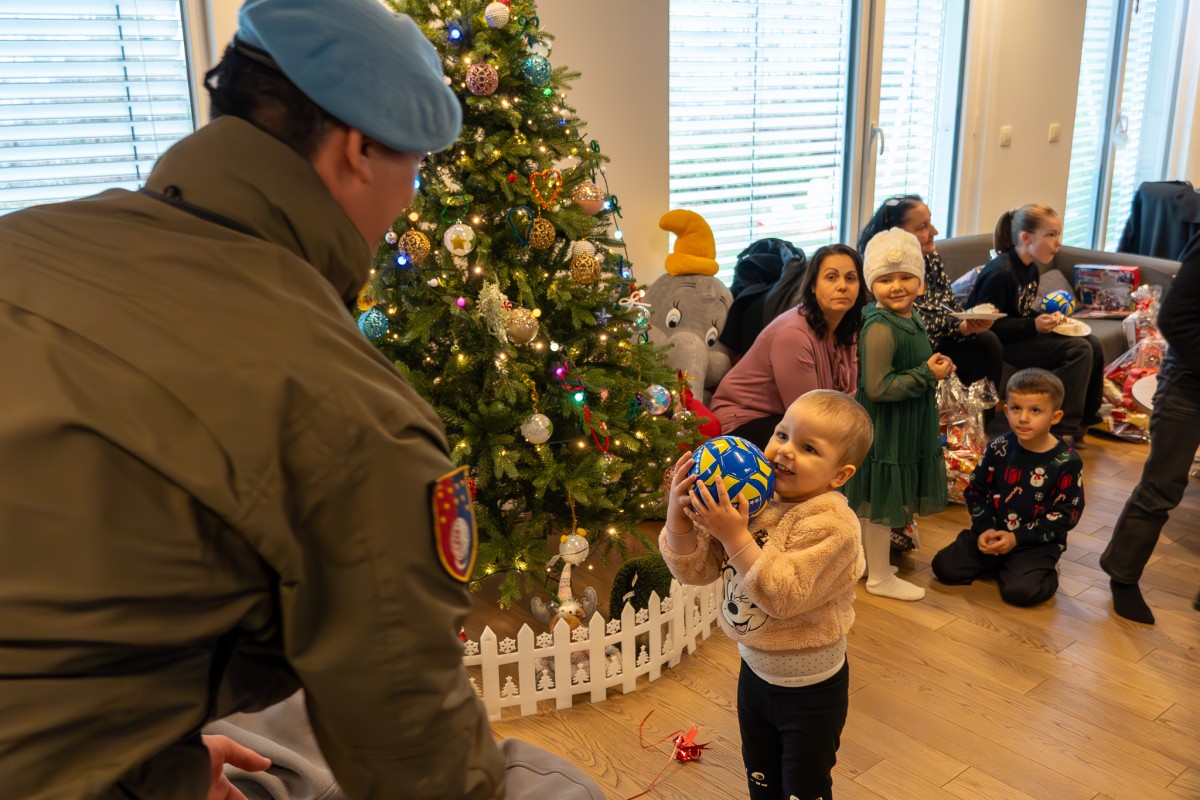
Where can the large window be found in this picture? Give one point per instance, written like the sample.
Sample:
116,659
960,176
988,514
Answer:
1128,76
91,93
795,118
759,95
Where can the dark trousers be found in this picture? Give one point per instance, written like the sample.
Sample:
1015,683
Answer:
1174,436
976,357
1078,361
758,431
790,735
1026,575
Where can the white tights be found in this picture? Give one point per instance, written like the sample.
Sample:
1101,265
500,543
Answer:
881,575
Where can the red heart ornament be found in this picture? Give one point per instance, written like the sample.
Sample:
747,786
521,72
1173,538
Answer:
552,179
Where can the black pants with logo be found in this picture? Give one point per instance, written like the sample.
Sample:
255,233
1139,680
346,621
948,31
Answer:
790,735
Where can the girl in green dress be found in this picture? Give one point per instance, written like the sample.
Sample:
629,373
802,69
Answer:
904,472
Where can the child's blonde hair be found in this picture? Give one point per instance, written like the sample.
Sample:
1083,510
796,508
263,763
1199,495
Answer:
1026,219
852,420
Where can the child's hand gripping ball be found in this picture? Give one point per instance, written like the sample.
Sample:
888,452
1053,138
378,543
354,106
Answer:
743,467
1060,301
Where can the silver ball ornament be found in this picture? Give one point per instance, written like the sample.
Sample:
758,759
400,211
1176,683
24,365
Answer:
608,465
537,429
658,399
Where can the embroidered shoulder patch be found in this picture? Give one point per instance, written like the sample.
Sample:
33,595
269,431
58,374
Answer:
454,533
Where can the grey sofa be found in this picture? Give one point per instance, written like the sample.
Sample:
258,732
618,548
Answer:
966,252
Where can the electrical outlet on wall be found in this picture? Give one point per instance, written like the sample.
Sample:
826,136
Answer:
1006,135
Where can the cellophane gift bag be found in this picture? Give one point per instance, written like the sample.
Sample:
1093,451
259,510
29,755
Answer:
960,414
1122,415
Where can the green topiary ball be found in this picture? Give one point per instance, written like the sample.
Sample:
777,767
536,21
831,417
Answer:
652,576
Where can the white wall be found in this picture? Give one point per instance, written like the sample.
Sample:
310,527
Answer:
620,46
1023,71
223,23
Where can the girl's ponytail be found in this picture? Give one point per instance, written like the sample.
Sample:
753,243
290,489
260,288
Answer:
1026,219
1002,237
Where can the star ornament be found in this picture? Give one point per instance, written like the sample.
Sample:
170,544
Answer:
602,316
459,239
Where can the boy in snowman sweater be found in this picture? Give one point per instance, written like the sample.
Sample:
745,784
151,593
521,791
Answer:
1024,496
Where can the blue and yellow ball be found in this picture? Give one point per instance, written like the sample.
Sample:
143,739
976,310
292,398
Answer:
1059,301
744,470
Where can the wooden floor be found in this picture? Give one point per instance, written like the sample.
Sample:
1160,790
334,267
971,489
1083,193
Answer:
959,696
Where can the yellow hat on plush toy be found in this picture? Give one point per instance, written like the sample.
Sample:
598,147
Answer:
695,250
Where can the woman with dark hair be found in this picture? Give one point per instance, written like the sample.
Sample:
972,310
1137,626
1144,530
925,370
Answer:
975,350
812,346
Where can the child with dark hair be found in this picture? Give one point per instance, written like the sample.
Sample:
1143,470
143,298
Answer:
811,346
1024,496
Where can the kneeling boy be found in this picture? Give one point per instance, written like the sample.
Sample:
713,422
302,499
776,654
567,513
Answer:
1024,496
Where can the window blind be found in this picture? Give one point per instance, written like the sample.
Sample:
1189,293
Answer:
91,93
1091,117
914,35
1136,91
758,107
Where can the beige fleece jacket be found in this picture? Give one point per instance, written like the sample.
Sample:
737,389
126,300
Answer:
799,595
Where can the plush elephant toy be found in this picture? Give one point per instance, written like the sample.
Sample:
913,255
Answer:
688,305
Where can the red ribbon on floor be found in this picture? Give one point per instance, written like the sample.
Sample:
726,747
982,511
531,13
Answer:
685,750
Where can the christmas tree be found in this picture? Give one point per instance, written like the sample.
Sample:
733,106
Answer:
505,296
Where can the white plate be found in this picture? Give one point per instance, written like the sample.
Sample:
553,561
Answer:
976,315
1072,327
1143,390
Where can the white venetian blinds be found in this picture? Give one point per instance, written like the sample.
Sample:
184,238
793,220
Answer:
758,111
1091,117
91,93
910,91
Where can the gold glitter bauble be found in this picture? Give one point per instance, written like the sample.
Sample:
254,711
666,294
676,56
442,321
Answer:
415,245
520,326
542,234
588,197
585,269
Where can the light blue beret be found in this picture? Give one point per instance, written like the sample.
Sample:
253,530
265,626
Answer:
370,68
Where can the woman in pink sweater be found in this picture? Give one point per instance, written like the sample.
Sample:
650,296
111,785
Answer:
812,346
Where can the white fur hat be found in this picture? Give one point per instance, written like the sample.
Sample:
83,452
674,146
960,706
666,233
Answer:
893,250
